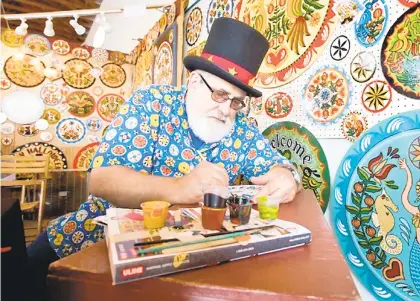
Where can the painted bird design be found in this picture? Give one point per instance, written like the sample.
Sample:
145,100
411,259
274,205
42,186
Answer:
402,44
309,181
361,30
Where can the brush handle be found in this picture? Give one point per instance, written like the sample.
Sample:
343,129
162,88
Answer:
199,246
181,244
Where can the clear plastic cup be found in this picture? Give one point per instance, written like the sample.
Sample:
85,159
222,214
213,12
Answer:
268,207
155,214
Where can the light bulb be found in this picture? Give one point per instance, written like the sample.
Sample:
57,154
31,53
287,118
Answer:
99,38
80,30
49,30
22,29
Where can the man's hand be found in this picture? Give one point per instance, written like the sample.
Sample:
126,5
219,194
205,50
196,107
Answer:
192,186
278,182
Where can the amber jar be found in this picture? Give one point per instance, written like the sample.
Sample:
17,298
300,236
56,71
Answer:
212,218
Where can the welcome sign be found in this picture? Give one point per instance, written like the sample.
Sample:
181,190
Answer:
298,145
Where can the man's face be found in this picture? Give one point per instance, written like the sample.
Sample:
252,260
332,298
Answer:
210,120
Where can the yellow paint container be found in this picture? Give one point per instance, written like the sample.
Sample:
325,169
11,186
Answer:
155,214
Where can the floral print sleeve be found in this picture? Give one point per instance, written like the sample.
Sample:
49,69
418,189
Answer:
130,139
260,155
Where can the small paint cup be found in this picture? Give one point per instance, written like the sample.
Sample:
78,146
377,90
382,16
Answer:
216,196
155,214
212,218
268,207
239,210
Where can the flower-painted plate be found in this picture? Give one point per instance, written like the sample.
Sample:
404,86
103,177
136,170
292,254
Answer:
375,208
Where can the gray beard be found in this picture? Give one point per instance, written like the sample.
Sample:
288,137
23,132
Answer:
207,129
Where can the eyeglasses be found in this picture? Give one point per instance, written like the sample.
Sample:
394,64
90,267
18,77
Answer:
222,96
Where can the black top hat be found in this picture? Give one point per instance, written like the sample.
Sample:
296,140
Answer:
234,52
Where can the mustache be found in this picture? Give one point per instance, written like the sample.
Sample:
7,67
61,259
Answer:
217,114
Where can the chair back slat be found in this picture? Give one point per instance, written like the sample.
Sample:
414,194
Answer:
30,171
25,164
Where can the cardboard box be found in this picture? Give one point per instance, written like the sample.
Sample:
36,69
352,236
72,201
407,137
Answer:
125,229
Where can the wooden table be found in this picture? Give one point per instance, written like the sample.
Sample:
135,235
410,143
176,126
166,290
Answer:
316,271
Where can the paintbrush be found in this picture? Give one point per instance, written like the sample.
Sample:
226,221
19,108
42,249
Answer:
206,240
151,241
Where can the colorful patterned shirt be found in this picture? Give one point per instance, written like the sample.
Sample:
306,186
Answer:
151,135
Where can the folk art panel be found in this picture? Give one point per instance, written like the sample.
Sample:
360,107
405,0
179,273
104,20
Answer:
375,208
80,100
337,66
343,69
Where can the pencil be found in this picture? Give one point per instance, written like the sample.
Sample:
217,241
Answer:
201,156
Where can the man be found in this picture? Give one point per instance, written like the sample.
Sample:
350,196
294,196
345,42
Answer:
170,144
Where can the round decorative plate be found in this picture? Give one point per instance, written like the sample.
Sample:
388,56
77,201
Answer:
100,55
340,47
98,91
155,32
162,23
400,55
171,14
5,83
46,136
278,105
51,94
85,155
218,9
11,39
370,26
376,96
113,76
37,44
57,158
363,67
414,154
163,67
6,141
27,130
353,125
327,95
409,3
81,103
147,81
94,124
76,74
108,106
256,105
194,24
304,151
7,128
148,59
297,32
61,47
26,72
375,212
80,53
117,57
51,115
70,130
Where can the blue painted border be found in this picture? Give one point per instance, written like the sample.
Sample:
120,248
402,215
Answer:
70,118
392,126
346,109
362,7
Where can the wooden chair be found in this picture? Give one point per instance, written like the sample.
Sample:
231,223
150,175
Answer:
37,167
